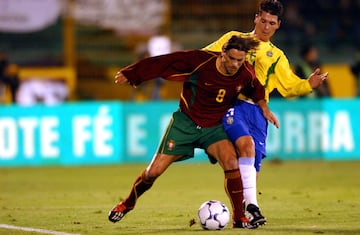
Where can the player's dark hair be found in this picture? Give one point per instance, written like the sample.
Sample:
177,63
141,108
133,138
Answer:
241,43
274,7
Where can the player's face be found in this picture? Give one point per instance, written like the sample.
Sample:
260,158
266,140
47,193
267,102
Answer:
231,61
266,25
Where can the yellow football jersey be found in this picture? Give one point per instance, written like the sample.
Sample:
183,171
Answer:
272,68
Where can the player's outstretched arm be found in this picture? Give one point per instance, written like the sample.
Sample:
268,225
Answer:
268,114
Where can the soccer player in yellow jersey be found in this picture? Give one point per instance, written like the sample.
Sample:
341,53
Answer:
248,130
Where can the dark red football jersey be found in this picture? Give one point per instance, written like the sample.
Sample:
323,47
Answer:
207,93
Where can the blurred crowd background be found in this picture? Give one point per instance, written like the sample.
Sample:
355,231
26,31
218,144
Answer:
81,48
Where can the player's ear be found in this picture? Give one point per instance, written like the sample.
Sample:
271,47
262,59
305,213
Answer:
223,49
256,18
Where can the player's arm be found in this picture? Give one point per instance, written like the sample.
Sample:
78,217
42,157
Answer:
164,66
256,91
290,85
267,113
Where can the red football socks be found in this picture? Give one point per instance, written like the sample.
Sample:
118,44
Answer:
234,189
139,187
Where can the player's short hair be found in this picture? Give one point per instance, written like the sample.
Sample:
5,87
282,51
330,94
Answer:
273,7
241,43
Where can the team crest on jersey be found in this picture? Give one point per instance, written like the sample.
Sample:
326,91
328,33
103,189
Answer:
170,145
229,120
269,53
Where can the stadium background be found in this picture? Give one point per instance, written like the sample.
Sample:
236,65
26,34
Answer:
84,52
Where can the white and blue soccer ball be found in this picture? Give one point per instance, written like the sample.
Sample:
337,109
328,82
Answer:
213,215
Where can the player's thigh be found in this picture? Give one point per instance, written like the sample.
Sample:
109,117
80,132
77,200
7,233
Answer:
217,144
179,137
159,164
223,151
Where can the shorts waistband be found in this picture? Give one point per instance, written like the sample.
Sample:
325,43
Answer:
197,126
246,99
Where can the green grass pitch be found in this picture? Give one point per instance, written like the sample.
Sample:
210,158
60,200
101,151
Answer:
297,197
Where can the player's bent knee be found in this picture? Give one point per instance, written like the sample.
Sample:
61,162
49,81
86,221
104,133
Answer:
246,151
229,162
245,146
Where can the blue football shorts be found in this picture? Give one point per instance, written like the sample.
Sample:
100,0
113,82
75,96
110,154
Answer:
245,119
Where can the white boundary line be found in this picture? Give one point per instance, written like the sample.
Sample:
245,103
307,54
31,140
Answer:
37,230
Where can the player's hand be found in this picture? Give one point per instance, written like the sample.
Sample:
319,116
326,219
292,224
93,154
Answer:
316,79
120,78
272,119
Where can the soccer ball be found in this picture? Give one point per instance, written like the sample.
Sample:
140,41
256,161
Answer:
213,215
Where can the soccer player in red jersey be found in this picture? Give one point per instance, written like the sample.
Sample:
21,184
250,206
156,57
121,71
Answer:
211,83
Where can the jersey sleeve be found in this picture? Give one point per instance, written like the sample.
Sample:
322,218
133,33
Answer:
289,84
259,89
218,44
254,89
170,66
